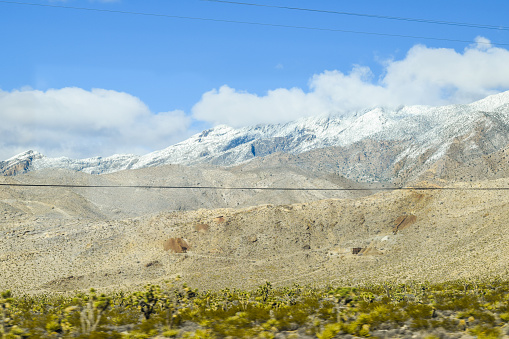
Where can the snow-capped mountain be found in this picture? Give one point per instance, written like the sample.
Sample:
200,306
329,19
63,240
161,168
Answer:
423,131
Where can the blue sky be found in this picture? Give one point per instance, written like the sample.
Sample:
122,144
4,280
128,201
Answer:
81,83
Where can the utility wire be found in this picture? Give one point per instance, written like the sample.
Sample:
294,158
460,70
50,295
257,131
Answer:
260,188
427,21
250,23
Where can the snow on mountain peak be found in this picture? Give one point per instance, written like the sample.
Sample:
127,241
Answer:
428,127
30,154
491,102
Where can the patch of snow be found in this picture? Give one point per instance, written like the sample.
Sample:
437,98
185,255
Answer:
426,127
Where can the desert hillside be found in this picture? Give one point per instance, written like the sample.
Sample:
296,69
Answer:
397,235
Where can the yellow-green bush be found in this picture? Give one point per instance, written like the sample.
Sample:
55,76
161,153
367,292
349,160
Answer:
177,311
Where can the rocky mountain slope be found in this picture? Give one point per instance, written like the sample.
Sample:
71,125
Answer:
122,202
400,236
405,142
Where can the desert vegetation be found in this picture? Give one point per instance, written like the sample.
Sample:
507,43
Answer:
387,310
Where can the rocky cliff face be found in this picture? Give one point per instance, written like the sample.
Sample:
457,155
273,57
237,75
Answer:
379,144
19,164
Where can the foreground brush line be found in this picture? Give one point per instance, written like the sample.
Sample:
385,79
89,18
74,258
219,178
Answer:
418,310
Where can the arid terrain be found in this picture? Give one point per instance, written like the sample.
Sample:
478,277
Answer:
63,239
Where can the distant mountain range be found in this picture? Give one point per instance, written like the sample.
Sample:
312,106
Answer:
376,144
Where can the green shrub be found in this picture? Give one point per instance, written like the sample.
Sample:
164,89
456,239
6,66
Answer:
504,317
453,307
330,331
485,332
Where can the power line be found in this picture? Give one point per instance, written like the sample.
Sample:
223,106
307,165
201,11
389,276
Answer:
261,188
251,23
387,17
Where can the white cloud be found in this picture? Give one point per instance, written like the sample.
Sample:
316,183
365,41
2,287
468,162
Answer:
482,43
79,123
431,76
235,108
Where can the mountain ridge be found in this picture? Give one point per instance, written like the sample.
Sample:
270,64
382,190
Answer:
425,131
